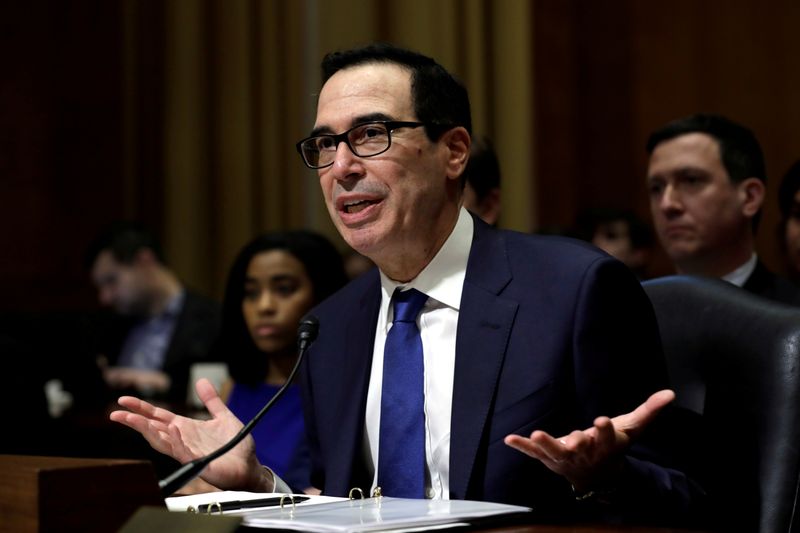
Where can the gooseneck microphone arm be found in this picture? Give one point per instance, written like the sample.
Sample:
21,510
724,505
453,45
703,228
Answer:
306,334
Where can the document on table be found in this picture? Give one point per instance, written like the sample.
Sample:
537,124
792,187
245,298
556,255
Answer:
377,514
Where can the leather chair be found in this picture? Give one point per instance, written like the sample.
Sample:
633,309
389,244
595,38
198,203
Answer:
734,362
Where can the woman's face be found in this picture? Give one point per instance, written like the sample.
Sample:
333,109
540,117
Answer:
277,293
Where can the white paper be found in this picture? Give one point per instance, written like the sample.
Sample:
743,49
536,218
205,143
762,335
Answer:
377,514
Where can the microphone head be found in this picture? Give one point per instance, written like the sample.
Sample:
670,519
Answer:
307,331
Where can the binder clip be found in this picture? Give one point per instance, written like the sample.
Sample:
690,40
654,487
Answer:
212,506
290,497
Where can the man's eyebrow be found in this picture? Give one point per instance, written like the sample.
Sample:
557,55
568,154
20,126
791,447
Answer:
361,119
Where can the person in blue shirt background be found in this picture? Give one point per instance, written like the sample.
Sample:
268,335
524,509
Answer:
274,281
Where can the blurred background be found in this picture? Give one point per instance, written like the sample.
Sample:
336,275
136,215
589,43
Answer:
183,114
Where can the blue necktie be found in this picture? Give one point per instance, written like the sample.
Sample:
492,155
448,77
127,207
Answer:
401,458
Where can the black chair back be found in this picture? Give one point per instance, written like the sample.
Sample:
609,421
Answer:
734,359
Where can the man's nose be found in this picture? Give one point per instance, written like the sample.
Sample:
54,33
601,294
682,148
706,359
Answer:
670,200
106,297
346,164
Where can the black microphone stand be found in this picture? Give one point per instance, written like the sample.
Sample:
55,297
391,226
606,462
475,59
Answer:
306,334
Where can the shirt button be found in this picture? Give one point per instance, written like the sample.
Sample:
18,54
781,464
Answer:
430,493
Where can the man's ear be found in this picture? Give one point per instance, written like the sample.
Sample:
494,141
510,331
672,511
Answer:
457,141
751,194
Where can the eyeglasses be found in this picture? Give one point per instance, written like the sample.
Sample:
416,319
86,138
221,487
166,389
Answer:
364,140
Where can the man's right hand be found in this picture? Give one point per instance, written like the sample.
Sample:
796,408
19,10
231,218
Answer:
185,439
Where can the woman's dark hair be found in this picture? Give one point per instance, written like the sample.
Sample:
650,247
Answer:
325,269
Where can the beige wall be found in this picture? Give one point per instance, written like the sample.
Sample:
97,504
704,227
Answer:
240,79
184,113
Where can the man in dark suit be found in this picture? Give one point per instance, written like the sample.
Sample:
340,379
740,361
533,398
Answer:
707,181
522,337
159,328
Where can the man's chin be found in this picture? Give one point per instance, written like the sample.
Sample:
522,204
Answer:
363,241
681,253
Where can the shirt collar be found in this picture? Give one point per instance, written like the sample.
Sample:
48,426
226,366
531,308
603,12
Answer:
739,276
443,278
174,305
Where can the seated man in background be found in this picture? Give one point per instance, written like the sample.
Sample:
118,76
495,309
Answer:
707,181
619,233
161,328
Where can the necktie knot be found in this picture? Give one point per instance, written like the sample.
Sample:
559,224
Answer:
408,304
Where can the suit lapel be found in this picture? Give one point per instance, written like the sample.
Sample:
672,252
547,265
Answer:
484,326
348,409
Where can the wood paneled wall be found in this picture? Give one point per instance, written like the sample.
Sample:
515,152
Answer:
609,72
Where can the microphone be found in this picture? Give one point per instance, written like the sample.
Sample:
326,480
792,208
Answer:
306,334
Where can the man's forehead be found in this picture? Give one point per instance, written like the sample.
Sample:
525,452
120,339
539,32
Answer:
693,142
689,149
363,91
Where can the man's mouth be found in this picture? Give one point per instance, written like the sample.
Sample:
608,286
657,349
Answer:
355,207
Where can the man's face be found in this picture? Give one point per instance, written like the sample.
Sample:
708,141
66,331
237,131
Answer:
394,202
119,285
697,211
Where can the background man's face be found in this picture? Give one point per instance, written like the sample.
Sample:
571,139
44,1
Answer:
696,209
119,286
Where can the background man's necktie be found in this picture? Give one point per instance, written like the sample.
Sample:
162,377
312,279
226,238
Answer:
401,455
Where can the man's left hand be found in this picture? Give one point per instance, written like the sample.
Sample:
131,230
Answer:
592,456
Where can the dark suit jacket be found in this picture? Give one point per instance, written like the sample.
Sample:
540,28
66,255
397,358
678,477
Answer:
551,334
192,340
765,283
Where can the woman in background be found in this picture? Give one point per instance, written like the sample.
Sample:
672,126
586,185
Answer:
274,281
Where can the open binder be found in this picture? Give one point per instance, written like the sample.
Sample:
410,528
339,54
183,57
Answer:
341,515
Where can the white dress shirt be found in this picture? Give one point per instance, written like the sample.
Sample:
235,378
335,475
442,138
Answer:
442,281
740,276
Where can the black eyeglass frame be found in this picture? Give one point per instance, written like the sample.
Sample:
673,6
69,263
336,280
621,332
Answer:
390,125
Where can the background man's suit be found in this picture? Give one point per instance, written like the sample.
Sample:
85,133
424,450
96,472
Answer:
192,341
551,334
765,283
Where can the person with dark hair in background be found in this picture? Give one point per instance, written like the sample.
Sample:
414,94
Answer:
707,180
482,181
789,226
161,327
508,342
274,281
619,233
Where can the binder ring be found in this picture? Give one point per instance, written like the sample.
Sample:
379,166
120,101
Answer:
360,492
377,493
290,497
211,507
